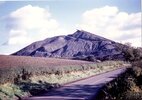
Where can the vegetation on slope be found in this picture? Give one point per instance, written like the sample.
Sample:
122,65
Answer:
127,86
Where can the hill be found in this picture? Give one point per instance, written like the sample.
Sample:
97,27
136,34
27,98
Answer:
79,45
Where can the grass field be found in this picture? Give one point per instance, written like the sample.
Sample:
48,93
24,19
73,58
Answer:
24,76
8,61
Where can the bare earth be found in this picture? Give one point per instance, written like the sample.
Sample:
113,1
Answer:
80,90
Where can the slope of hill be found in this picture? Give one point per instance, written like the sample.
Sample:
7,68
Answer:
80,45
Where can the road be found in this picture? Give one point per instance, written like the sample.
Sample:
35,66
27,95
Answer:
80,90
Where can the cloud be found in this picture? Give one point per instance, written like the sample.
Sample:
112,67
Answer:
2,2
31,23
19,37
111,23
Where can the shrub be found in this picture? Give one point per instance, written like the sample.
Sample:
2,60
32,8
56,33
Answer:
128,86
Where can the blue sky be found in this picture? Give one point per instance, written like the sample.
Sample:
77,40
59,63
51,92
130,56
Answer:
65,16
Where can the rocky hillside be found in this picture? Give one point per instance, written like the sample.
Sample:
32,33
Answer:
79,45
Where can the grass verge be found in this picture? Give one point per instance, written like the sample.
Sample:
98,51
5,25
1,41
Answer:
128,86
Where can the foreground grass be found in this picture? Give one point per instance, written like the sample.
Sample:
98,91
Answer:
127,86
11,91
40,83
72,76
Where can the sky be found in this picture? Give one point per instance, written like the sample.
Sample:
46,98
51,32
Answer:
24,22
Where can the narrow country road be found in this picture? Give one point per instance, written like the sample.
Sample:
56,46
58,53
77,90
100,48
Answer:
80,90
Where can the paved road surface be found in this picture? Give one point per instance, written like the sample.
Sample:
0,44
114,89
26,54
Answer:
80,90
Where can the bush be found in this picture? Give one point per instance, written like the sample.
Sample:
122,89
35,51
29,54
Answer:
128,86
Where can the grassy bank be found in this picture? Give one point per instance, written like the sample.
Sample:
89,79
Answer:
127,86
17,82
92,69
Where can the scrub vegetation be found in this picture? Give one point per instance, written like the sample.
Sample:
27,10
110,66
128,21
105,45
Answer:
128,86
